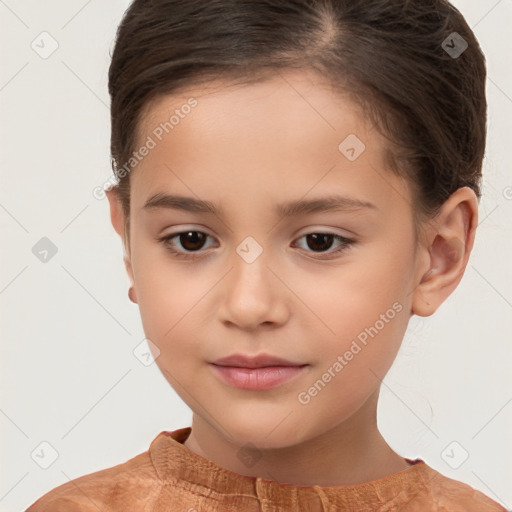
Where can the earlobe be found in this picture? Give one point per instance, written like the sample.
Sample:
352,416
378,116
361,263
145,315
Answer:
449,241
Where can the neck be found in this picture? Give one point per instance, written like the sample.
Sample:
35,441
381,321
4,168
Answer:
351,453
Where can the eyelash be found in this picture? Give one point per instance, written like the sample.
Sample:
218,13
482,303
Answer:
166,241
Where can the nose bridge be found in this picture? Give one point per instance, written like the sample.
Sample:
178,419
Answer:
250,273
253,295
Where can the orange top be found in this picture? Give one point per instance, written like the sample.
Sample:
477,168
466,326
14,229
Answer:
170,477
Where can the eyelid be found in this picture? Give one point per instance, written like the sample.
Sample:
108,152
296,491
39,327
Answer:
345,233
307,231
345,243
165,239
185,229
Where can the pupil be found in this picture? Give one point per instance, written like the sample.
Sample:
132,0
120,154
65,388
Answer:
195,237
193,240
322,236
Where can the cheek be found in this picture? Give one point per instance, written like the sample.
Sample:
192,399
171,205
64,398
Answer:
169,298
361,315
348,298
354,361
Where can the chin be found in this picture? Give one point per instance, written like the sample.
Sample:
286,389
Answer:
265,432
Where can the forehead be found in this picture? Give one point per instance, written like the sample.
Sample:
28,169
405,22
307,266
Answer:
280,136
265,107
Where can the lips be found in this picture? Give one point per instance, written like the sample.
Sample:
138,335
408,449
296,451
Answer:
256,373
257,361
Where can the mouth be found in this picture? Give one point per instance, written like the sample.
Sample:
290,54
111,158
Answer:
256,372
254,361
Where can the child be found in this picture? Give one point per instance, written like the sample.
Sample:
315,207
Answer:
326,155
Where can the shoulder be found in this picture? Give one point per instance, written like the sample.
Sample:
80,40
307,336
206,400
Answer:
106,490
449,495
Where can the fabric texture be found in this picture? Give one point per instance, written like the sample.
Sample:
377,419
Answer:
169,477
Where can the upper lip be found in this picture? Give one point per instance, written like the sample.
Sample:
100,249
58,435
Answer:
258,361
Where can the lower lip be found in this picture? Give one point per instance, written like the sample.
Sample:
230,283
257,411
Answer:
257,378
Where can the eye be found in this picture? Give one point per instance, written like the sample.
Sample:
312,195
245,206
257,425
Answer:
323,241
192,241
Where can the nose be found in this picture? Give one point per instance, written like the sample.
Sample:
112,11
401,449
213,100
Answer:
252,295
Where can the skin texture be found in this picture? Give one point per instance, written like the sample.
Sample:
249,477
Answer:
247,148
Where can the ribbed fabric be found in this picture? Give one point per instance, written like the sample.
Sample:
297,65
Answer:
169,477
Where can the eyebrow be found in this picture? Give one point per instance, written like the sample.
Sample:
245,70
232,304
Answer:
288,209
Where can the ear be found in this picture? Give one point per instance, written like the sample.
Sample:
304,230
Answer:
117,218
446,245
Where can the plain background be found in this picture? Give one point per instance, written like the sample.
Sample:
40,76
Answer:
68,373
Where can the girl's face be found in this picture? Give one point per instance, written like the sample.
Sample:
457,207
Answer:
249,279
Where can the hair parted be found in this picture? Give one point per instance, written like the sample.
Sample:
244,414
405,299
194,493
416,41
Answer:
387,54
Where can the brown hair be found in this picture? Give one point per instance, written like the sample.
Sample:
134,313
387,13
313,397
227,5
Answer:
390,55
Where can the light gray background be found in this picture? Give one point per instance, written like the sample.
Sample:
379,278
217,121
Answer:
68,373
